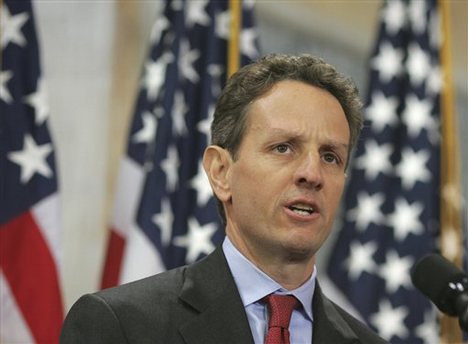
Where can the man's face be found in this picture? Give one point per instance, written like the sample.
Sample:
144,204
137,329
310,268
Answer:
287,181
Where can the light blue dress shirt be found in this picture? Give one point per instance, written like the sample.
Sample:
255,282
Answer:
253,285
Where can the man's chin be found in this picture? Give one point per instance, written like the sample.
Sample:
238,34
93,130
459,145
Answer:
299,252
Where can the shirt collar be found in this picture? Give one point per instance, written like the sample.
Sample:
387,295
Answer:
253,284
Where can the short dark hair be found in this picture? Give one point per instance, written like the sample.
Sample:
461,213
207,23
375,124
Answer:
256,79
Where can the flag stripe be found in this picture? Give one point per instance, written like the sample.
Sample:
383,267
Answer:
14,328
46,214
42,275
140,257
113,262
127,195
129,185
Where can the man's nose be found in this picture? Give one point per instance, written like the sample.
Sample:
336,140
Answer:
309,172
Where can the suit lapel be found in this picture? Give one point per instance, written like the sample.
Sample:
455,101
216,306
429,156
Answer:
329,325
209,288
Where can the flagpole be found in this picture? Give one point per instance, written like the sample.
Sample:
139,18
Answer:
235,9
450,216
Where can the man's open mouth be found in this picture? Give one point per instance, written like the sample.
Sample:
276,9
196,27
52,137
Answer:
302,209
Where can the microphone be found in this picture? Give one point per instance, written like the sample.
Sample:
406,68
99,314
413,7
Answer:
444,284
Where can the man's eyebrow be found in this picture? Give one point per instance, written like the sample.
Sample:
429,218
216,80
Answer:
297,134
336,144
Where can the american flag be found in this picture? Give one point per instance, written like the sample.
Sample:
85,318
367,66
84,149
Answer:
165,215
391,204
31,308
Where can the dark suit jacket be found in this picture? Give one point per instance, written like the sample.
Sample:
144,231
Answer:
193,304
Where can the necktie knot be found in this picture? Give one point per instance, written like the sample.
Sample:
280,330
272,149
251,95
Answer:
280,309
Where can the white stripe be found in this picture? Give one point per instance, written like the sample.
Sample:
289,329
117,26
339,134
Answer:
129,188
141,259
47,215
13,328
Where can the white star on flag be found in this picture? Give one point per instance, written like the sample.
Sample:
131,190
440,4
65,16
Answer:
170,166
427,331
38,100
412,167
367,210
418,64
178,114
417,15
196,13
10,27
32,159
186,61
159,26
434,81
154,76
5,94
394,16
204,126
405,219
223,21
388,62
390,321
360,259
376,159
417,115
247,42
216,71
382,111
198,239
164,220
202,185
396,271
148,131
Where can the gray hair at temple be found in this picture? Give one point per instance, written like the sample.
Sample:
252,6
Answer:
256,79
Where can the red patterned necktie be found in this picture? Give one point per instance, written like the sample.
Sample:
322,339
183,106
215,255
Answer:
280,309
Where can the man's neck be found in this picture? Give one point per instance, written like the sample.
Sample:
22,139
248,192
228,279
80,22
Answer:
285,269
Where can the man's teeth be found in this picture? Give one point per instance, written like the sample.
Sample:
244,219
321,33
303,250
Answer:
301,212
302,209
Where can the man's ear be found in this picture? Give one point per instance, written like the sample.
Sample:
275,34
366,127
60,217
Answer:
217,163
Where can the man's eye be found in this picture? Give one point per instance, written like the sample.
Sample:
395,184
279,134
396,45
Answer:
331,158
282,148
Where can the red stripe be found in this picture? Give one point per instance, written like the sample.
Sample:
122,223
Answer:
113,265
31,273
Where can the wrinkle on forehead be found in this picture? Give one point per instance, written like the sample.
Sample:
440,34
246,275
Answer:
298,111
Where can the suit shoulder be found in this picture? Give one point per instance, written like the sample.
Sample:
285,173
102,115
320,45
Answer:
91,320
143,311
163,286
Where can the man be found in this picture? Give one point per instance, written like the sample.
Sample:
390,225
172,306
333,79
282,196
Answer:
282,134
